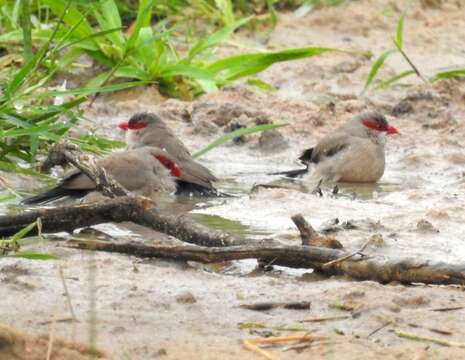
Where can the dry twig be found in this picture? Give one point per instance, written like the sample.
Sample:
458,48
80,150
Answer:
416,337
346,257
252,344
326,318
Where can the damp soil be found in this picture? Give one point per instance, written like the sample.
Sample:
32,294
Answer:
147,309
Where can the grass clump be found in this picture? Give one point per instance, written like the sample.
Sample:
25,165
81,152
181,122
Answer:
398,41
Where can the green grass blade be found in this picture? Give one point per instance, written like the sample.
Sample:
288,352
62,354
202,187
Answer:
232,135
90,37
187,71
214,39
72,17
237,66
26,71
392,80
400,32
26,27
15,119
131,72
34,130
35,256
23,232
375,68
33,62
449,74
10,167
144,14
89,90
227,12
260,84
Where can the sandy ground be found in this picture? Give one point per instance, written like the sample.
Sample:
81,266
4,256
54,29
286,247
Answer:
157,309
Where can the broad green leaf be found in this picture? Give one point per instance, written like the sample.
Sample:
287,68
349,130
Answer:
238,66
72,17
145,51
375,68
207,85
232,135
187,71
84,42
108,19
214,39
227,12
131,72
144,15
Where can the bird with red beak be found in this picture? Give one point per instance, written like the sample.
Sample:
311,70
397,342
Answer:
353,152
143,171
147,129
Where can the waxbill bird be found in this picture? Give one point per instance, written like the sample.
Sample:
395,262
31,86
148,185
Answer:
354,152
142,171
145,128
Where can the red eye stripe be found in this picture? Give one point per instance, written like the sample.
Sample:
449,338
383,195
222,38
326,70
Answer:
373,125
167,163
123,125
137,126
390,130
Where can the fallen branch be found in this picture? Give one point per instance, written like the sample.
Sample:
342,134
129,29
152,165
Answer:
307,232
310,236
64,153
292,256
136,209
377,269
141,211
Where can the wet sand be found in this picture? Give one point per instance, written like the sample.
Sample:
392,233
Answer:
159,309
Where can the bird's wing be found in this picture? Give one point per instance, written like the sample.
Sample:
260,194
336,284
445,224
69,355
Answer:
329,146
163,138
193,172
76,180
129,169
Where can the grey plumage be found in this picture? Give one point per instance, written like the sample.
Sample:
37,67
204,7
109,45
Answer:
354,152
136,170
156,133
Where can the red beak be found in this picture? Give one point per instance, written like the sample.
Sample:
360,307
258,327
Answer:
392,130
123,125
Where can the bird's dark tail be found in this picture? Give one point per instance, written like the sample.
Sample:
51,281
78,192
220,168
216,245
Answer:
291,173
306,156
50,195
187,188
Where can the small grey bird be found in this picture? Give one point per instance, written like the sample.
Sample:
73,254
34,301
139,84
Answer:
354,152
144,171
147,129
